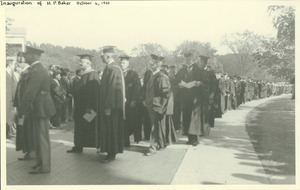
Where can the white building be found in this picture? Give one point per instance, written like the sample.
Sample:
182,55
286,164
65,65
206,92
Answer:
15,41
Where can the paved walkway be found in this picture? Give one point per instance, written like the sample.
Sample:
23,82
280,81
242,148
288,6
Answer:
225,157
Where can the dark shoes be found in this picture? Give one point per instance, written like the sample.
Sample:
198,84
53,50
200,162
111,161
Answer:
195,143
75,150
108,158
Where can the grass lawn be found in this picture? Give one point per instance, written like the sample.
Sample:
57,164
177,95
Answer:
271,127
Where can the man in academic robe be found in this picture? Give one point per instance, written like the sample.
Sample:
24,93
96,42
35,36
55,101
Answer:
213,87
133,102
208,92
159,102
192,97
164,84
86,133
38,103
112,105
145,116
217,97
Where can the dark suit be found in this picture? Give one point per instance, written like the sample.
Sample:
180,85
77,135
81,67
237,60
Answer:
65,83
37,101
59,98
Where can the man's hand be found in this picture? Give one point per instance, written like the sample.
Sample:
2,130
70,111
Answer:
107,111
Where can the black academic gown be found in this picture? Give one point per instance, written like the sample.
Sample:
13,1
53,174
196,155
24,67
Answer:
194,100
163,104
212,103
112,96
86,133
145,115
132,107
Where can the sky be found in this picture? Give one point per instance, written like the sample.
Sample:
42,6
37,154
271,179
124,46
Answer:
125,25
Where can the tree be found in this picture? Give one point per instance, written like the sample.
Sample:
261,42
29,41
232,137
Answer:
142,52
278,54
199,48
243,45
284,22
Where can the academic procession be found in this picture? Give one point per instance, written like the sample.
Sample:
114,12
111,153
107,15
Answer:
108,107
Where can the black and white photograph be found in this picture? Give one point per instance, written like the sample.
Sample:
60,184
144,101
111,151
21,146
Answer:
148,93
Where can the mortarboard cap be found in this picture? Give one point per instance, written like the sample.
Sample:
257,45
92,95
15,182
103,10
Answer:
108,49
31,50
85,56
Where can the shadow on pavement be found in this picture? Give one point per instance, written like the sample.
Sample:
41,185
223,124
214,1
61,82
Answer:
86,169
272,130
